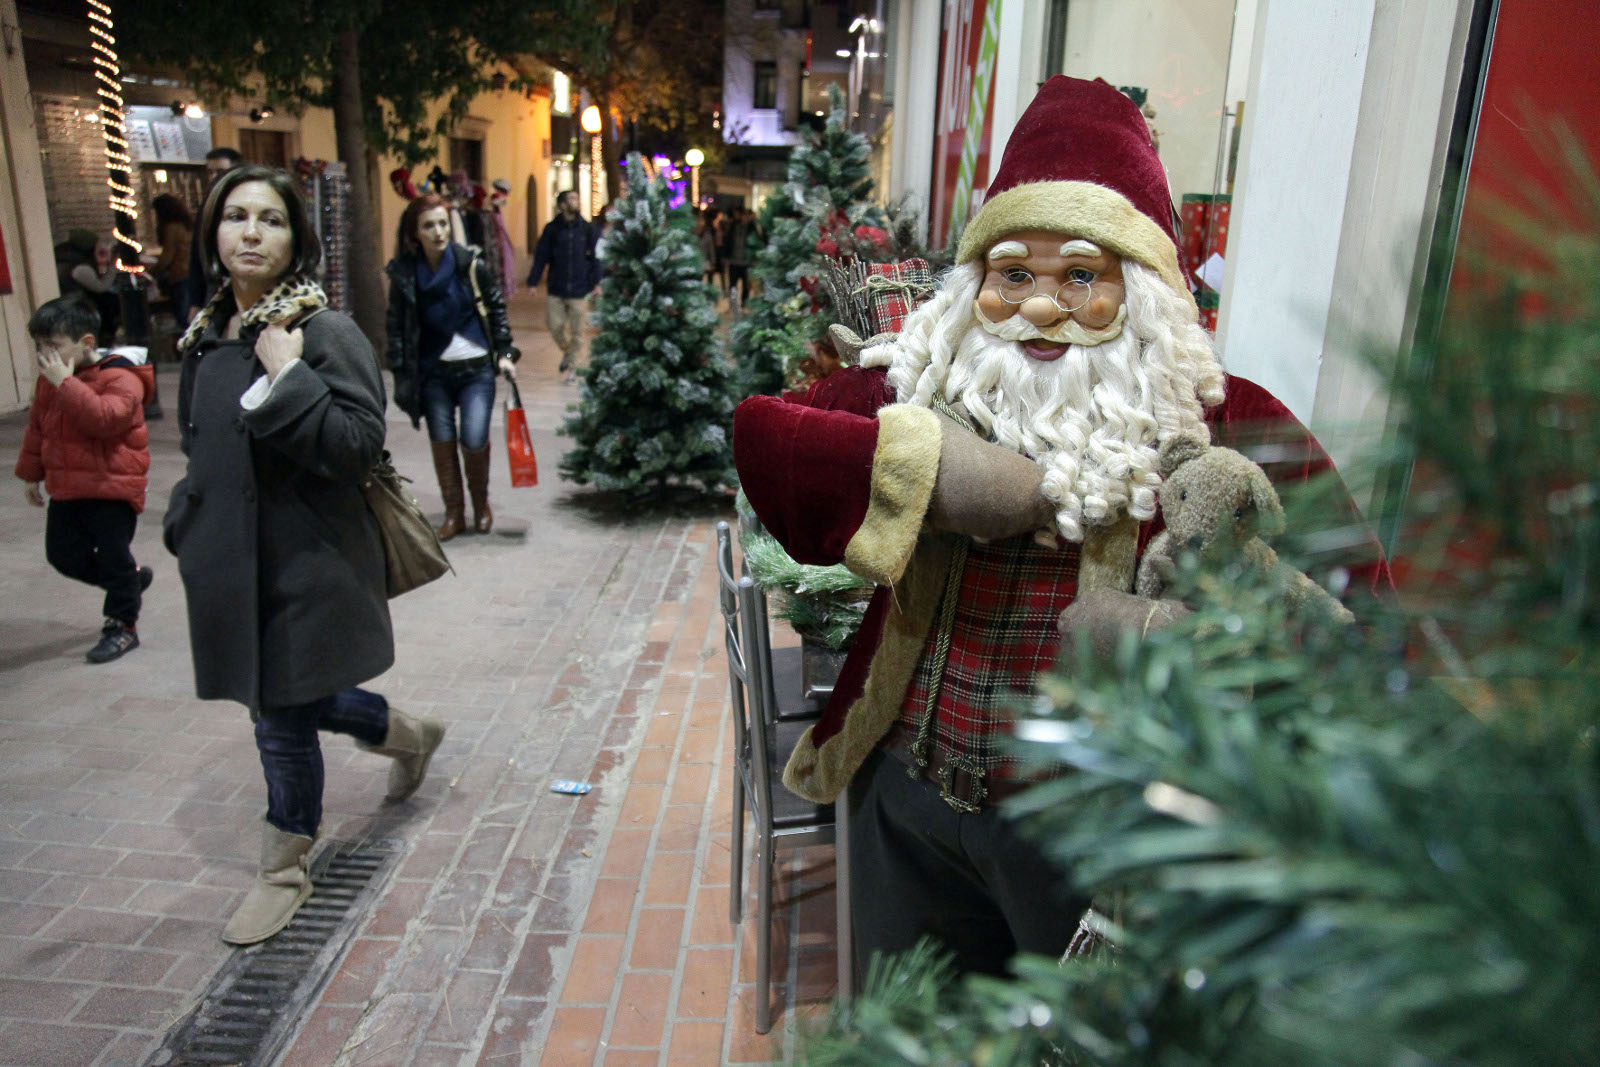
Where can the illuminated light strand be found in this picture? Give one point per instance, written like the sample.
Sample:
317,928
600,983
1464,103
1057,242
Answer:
596,172
121,196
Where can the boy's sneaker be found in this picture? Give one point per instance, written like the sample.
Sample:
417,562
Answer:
116,638
146,576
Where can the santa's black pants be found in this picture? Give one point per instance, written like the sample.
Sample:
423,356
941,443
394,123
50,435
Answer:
920,868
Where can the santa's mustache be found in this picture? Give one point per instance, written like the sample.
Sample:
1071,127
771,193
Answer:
1068,332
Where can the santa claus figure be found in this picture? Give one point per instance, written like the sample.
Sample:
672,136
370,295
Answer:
990,468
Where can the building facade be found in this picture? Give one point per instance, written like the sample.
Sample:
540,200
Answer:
55,176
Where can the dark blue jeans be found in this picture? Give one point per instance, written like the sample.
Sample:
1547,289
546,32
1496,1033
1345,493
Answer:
291,757
444,390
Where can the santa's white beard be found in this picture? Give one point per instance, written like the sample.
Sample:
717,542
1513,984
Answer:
1094,417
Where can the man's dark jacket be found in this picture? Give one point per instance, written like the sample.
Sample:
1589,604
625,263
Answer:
567,247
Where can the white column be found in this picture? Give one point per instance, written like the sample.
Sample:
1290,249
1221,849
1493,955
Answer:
24,221
915,93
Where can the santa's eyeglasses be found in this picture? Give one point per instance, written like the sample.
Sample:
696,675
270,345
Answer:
1017,285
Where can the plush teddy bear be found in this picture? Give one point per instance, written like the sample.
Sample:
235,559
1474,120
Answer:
1215,496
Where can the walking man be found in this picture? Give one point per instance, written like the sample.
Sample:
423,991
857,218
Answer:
567,247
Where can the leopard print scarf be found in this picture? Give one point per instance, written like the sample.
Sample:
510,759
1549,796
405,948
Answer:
292,296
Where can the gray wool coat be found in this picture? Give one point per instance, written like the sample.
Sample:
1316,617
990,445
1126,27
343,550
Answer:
281,561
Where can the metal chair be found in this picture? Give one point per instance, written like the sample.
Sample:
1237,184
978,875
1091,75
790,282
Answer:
762,744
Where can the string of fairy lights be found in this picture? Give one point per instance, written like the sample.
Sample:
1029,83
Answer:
119,163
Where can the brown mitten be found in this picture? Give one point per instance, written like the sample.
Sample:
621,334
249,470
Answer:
986,491
1105,613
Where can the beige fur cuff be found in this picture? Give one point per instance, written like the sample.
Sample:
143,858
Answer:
1081,209
820,773
904,468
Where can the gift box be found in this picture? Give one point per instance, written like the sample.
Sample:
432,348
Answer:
1204,219
1209,301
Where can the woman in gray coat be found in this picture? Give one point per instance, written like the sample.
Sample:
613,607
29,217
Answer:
281,410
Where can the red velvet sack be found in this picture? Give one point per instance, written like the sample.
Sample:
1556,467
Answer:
519,442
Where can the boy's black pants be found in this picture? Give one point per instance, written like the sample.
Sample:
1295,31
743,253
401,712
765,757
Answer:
92,541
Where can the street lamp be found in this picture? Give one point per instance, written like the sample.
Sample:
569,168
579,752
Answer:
694,157
590,122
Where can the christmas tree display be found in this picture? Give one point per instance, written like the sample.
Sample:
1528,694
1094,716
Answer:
822,604
826,195
657,400
1317,844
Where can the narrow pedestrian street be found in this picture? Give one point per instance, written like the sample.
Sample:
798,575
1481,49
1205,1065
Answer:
512,924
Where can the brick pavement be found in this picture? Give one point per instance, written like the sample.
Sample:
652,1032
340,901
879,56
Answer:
520,925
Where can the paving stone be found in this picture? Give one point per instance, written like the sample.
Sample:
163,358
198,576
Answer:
122,966
513,1032
44,1001
144,1009
593,971
533,974
696,1043
467,1006
707,976
574,1037
642,1010
324,1034
361,969
39,1044
657,939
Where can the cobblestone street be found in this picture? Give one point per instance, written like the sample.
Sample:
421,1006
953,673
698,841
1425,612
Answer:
515,925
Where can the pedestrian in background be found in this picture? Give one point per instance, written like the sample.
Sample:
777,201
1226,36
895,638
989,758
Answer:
86,441
448,336
739,230
281,405
709,250
88,269
219,161
175,235
567,247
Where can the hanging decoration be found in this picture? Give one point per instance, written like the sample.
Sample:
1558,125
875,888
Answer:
108,73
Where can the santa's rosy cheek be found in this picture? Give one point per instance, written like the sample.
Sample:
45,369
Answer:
993,307
1101,309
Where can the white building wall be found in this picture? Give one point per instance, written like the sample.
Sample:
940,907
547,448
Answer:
749,37
1347,120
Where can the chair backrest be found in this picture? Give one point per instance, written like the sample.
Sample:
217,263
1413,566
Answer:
763,713
747,684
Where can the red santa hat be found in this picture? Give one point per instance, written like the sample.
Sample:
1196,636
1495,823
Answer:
1081,162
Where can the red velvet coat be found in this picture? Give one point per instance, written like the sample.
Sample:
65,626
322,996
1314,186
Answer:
86,440
807,469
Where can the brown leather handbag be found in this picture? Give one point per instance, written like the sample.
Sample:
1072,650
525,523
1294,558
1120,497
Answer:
412,553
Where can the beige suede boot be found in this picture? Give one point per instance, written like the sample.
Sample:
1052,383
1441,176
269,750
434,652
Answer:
410,743
281,887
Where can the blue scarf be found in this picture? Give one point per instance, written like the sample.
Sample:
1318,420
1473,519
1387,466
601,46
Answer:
445,307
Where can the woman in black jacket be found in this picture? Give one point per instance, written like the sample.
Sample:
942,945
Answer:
280,407
448,334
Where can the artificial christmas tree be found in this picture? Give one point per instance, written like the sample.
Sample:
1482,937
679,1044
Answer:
657,396
825,196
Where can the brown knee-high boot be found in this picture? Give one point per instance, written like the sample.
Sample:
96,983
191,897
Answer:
477,464
449,472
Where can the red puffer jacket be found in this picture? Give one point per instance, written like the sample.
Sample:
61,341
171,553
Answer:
86,440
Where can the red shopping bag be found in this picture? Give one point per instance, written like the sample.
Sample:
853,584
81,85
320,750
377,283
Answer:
519,443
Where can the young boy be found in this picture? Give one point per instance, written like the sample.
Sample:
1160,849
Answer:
86,440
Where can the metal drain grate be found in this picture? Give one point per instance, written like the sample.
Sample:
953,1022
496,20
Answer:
255,999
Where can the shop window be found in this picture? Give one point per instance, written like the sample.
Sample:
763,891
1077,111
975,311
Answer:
270,148
467,154
766,89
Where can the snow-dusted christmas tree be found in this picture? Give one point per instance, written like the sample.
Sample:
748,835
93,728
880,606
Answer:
657,397
827,190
